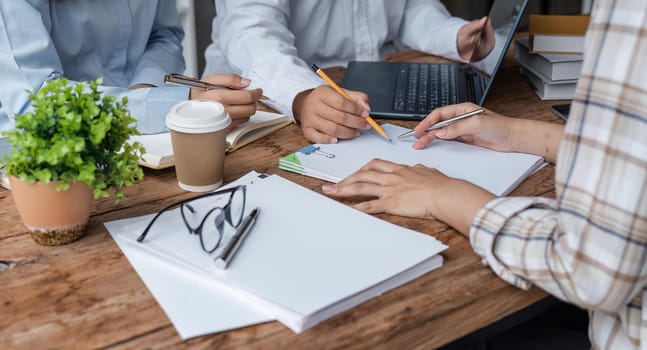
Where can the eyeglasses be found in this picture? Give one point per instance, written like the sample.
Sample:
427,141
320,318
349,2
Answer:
201,224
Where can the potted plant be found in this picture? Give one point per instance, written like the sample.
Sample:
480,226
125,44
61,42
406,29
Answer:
72,146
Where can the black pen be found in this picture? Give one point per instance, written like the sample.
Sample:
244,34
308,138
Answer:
444,123
234,243
183,80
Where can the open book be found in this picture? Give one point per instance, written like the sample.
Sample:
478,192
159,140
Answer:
496,172
307,258
159,151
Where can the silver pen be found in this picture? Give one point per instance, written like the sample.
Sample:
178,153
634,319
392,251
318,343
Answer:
183,80
229,251
446,122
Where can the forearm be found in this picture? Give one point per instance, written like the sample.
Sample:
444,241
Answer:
536,137
253,33
164,49
28,57
149,105
531,240
458,202
431,17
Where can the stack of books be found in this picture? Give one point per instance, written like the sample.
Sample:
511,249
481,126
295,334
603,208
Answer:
551,57
557,34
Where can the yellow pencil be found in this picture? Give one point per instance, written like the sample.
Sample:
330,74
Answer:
333,85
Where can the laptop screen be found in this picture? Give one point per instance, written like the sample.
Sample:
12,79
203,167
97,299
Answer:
505,16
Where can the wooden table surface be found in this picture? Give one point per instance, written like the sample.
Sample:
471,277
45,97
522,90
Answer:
87,295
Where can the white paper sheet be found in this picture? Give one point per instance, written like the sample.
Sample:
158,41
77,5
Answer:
497,172
308,257
196,305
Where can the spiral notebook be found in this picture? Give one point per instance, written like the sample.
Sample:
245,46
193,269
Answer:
496,172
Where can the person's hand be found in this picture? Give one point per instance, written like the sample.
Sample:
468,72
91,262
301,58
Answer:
487,129
326,116
240,104
475,39
414,191
392,188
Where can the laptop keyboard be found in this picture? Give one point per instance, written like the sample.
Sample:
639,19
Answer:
423,87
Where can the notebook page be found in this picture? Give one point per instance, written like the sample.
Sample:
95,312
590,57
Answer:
497,172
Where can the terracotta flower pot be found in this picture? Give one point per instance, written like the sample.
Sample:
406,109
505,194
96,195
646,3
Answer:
52,217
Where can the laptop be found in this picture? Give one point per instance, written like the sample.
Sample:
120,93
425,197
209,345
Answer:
409,91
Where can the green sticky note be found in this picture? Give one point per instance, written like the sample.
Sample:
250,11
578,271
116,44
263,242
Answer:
291,158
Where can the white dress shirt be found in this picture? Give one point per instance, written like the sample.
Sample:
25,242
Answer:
274,42
126,42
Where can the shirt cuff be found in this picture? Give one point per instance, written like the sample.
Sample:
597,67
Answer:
149,75
489,225
150,106
450,34
281,97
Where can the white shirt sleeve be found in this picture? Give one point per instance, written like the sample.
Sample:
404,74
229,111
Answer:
427,26
258,44
430,28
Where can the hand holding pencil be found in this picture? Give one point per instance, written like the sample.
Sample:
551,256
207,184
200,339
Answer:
336,87
325,116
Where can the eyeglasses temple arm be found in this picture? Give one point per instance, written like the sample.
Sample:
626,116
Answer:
150,224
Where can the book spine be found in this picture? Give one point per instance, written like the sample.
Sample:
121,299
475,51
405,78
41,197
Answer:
554,71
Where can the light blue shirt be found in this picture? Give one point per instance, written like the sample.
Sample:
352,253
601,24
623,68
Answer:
126,42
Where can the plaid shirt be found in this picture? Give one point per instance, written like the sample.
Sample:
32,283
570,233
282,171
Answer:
589,246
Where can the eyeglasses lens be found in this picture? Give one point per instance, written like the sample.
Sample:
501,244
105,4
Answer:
212,230
237,206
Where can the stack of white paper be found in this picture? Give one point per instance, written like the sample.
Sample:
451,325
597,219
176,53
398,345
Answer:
195,305
307,258
496,172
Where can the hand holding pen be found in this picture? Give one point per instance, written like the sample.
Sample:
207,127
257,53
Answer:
207,84
465,122
224,88
446,122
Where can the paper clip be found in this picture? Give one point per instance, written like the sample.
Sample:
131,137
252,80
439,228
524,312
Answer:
309,149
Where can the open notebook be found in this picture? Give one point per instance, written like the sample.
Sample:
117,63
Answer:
307,258
159,151
496,172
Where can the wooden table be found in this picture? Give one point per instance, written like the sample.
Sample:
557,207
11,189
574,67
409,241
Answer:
87,295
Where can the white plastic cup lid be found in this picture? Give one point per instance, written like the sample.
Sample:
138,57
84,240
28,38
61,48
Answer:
197,117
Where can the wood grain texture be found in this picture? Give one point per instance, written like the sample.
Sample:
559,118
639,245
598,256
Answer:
86,294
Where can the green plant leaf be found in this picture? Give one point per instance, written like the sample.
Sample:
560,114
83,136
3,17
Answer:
73,133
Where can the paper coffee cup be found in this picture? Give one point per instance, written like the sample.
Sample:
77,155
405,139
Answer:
198,130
